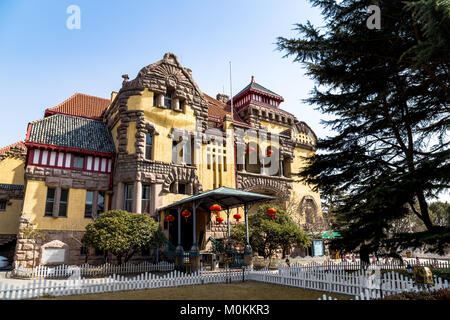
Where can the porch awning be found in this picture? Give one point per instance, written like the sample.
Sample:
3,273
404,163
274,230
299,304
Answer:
331,235
227,198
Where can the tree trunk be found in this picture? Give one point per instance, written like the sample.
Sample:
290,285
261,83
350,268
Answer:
424,210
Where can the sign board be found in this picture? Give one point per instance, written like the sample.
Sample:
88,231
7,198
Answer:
317,248
53,255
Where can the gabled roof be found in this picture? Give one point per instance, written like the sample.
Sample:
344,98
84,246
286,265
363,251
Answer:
81,105
257,87
71,132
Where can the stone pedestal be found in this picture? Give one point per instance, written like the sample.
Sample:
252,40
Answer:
248,253
179,255
194,257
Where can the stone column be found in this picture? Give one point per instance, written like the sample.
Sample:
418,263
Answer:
176,104
155,198
94,205
56,201
137,197
195,252
160,100
280,170
120,195
179,252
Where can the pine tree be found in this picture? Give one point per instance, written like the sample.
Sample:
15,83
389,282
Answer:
387,91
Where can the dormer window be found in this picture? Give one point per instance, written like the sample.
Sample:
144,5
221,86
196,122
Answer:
168,100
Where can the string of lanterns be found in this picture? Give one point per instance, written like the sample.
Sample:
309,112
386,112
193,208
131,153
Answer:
170,218
186,214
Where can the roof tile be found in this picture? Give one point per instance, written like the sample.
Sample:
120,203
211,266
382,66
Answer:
72,132
81,105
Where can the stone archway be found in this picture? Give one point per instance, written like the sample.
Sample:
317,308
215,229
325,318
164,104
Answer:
309,209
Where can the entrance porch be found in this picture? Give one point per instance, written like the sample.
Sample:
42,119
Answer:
191,216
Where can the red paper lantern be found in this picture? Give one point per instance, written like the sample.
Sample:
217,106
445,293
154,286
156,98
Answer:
250,149
219,220
269,152
186,214
237,217
215,208
271,212
170,218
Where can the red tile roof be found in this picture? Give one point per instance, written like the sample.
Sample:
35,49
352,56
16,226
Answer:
217,110
81,105
19,144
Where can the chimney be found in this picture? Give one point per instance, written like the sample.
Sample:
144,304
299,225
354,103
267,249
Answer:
113,95
222,97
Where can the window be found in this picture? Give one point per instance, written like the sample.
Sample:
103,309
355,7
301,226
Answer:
174,152
49,202
148,146
168,100
146,198
36,155
155,99
83,250
99,252
63,203
88,204
128,203
100,203
78,162
3,205
181,188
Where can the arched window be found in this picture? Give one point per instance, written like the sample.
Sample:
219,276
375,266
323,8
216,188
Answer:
149,146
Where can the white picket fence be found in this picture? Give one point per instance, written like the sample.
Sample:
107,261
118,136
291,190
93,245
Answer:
391,265
361,284
62,271
42,287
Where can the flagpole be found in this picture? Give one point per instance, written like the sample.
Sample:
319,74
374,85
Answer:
231,94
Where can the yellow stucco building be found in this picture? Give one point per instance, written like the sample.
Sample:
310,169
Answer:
159,139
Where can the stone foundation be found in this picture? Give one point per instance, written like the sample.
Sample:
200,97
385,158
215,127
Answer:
31,251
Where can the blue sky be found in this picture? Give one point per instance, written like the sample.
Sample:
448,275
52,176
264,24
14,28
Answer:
42,62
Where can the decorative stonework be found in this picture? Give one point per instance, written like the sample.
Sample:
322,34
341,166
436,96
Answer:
60,256
279,186
309,209
183,174
54,177
11,193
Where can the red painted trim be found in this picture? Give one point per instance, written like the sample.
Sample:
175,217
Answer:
40,156
68,149
28,132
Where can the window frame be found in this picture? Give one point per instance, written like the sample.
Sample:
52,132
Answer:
126,201
146,202
47,202
66,203
86,204
148,146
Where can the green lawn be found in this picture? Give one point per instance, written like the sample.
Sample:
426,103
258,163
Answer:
249,290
